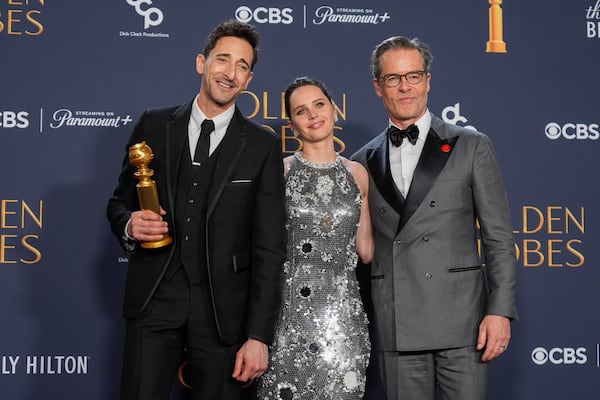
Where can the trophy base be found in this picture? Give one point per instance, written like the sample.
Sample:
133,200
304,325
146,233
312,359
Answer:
158,243
495,46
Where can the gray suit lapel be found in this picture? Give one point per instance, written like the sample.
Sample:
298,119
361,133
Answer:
432,161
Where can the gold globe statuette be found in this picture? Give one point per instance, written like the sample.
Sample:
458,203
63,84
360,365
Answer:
496,44
140,155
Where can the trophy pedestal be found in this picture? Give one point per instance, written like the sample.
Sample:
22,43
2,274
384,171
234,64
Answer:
158,243
495,46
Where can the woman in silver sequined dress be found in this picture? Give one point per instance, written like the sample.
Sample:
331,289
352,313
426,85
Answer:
321,347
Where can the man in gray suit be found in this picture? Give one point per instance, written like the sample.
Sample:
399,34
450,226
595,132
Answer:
440,314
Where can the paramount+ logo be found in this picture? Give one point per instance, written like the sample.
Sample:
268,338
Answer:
559,356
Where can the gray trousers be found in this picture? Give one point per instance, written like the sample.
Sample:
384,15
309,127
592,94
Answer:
449,374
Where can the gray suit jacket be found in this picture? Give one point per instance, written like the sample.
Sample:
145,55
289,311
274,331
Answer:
429,287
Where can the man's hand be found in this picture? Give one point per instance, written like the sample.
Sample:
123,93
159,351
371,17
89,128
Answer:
147,226
251,361
494,335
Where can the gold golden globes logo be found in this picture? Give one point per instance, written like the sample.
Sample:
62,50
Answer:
260,105
21,17
20,224
496,42
551,236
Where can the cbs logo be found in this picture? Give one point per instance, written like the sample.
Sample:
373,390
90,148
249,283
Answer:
12,119
264,15
572,131
558,355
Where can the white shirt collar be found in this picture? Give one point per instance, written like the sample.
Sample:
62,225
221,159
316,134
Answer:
221,121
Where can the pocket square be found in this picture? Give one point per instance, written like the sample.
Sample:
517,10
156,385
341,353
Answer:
241,181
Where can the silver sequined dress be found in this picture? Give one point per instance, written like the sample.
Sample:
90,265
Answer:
321,347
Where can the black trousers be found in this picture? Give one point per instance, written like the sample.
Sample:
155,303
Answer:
178,325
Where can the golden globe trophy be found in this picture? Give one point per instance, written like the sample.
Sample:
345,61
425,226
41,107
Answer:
140,155
496,44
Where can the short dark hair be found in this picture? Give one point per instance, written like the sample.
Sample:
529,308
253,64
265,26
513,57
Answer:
400,42
237,29
299,82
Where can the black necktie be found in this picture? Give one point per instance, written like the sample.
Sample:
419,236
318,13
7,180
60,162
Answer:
397,135
203,144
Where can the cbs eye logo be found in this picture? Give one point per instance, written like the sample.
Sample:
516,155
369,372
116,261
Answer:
264,15
559,355
572,131
14,119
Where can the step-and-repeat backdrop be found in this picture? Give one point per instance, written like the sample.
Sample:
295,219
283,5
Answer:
74,77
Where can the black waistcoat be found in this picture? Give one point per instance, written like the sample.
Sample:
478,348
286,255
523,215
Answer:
191,196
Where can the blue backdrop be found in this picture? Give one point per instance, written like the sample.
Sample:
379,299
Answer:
75,75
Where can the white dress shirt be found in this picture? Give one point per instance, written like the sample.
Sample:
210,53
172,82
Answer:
404,159
221,122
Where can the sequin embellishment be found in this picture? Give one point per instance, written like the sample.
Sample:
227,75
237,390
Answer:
321,348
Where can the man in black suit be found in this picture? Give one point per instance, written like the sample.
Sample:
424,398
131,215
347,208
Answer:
213,295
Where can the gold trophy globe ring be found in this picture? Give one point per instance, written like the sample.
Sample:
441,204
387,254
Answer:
140,155
180,375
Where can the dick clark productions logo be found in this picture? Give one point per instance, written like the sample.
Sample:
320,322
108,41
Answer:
153,16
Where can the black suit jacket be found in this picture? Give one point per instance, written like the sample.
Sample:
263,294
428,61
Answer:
245,222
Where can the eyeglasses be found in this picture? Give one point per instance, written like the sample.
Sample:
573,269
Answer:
393,80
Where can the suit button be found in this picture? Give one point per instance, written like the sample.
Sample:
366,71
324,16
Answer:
191,201
432,203
381,210
188,219
428,276
186,238
426,238
398,242
195,184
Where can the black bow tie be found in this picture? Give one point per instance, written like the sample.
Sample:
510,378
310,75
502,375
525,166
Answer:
397,135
